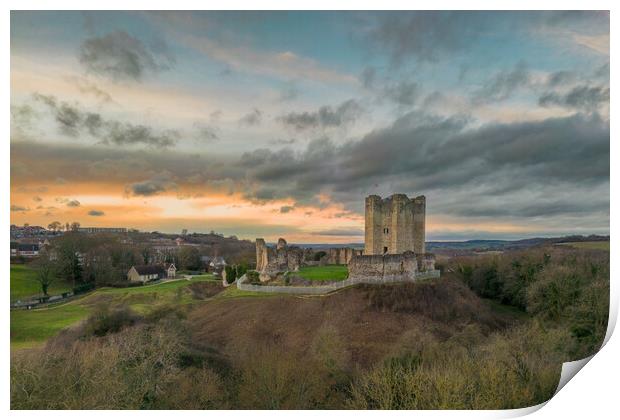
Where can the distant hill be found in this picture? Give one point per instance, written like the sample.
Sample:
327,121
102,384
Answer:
479,244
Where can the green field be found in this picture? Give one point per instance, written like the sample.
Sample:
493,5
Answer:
602,245
324,273
33,327
24,283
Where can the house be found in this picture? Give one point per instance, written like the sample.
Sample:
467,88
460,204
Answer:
27,250
146,273
217,265
171,270
14,246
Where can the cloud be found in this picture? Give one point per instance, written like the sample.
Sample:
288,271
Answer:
37,198
73,203
120,56
426,35
87,87
503,84
17,208
588,98
340,232
402,93
420,153
282,64
286,209
368,77
22,116
129,134
96,213
325,117
430,36
283,142
289,92
73,121
205,133
151,187
253,118
522,172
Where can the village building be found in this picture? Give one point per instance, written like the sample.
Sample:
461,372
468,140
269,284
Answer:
146,273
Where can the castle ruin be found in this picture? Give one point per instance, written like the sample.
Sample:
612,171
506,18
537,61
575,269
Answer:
271,261
395,224
394,246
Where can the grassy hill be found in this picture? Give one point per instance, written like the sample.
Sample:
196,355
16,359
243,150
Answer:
34,327
24,283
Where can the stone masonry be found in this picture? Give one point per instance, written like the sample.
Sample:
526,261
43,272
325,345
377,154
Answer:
402,267
395,224
341,255
271,261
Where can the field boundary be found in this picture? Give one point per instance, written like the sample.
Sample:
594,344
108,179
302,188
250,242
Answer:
329,287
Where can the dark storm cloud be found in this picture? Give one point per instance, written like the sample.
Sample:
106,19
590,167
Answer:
402,93
73,121
282,142
73,203
205,133
119,55
587,98
130,134
22,115
96,213
368,77
151,187
556,168
251,119
325,117
419,153
560,78
426,36
17,208
503,84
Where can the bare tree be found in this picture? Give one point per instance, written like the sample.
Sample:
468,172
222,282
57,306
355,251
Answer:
54,226
45,273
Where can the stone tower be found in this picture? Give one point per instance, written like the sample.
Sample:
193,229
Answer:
395,224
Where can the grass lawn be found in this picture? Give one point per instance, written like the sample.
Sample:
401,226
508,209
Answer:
24,283
602,245
205,277
324,273
33,327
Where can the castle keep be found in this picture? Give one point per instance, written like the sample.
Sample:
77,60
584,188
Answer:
395,224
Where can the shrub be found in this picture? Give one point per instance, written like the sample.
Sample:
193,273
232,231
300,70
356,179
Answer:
106,320
83,288
253,277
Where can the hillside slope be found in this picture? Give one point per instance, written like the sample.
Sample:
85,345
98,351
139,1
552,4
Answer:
372,321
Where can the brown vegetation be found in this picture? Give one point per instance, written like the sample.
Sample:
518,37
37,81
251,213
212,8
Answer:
435,344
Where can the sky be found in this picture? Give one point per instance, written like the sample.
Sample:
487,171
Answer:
279,124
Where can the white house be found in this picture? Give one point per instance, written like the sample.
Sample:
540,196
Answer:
145,273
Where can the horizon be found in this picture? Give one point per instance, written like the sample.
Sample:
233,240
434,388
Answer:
274,241
278,124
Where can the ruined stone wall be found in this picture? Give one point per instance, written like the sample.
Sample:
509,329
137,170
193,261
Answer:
392,267
262,254
271,261
341,256
394,224
419,225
